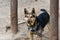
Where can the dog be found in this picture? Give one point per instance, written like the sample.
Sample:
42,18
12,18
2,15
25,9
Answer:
36,23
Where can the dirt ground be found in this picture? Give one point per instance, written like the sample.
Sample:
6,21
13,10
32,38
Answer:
23,33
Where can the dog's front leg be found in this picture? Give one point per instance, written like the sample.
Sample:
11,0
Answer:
31,36
40,37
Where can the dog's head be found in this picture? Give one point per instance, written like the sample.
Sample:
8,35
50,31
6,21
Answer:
30,17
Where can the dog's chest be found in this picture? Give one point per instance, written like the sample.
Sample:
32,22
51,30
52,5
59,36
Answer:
32,25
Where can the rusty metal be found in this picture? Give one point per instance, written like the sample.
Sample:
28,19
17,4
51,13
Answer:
14,16
54,5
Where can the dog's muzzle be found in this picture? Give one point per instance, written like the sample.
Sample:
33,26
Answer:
31,22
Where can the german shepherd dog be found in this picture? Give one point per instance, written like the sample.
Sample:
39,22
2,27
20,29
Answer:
36,23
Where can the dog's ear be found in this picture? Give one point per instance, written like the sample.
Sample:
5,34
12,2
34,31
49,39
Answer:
33,11
25,11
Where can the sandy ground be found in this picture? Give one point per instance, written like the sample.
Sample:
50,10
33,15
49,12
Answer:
23,33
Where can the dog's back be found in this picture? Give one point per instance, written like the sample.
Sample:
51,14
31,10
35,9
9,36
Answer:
42,19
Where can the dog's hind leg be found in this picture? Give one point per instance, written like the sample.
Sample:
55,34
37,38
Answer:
40,36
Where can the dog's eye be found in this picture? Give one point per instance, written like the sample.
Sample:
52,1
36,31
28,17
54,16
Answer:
25,16
31,17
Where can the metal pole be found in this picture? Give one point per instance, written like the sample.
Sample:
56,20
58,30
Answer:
54,19
14,16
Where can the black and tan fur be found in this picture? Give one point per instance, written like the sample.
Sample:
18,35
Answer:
36,23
